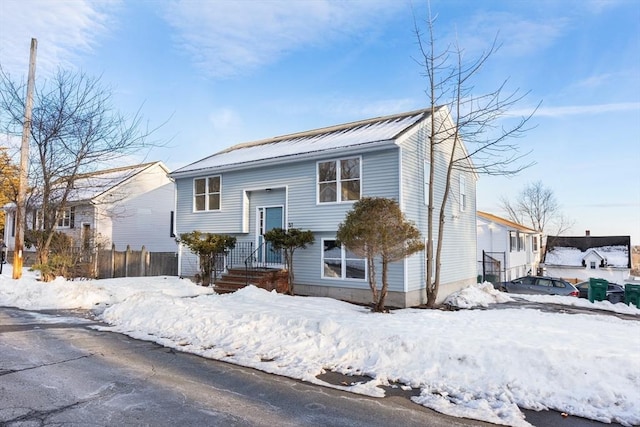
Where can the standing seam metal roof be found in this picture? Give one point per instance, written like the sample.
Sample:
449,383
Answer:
363,132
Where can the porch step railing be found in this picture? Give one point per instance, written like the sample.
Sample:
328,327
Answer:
262,258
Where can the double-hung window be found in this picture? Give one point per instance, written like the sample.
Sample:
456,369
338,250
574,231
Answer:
206,193
66,218
339,180
340,263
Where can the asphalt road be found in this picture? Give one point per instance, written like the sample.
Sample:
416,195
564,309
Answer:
56,370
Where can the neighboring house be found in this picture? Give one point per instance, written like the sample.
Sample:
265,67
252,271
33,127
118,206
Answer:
506,250
581,258
123,206
310,180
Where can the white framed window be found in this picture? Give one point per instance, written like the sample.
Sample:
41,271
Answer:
339,180
66,218
513,241
206,193
427,175
534,243
592,264
340,263
463,193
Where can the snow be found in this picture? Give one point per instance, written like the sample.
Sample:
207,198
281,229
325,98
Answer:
482,363
358,133
616,256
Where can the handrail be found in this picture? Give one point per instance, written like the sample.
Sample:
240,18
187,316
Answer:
271,256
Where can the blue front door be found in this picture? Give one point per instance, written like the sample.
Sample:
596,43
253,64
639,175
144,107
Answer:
268,219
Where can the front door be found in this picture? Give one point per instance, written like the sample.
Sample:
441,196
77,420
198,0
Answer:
268,219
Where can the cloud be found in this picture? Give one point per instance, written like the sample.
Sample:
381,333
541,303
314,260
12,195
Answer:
575,110
64,30
225,118
226,38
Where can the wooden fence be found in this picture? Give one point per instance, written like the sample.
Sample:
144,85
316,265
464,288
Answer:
130,263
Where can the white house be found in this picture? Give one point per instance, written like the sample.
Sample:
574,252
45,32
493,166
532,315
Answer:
124,206
506,250
310,180
581,258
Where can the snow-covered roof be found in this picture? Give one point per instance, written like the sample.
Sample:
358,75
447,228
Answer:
368,132
571,251
505,222
90,185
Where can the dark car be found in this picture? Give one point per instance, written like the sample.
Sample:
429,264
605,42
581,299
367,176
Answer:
539,285
615,292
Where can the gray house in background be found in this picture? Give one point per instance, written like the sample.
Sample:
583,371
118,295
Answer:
310,180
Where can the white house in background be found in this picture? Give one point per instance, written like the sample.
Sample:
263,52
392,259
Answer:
506,250
130,205
581,258
310,180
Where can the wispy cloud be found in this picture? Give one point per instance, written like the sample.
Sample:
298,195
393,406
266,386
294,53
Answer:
572,110
227,38
64,30
518,35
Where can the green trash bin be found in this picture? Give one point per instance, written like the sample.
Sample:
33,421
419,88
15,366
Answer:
597,289
632,294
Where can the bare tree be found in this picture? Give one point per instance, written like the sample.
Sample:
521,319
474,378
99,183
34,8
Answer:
536,205
478,120
75,130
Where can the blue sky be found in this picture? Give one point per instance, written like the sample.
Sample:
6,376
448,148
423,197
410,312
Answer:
223,72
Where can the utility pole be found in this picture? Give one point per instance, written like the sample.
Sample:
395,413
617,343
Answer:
24,166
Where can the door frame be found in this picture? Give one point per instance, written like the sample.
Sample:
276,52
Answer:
258,229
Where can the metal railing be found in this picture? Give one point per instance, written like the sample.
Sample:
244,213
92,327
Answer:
263,257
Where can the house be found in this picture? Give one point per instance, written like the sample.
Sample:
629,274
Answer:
506,249
124,206
580,258
310,180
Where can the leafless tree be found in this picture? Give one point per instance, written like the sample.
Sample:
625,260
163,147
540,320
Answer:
479,121
75,130
536,206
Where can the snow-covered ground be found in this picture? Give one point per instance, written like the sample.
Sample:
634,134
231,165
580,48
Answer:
481,364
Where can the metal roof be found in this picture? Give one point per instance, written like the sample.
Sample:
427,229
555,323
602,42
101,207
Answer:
360,133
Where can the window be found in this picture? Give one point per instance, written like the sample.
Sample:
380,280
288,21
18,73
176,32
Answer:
66,218
593,265
340,263
339,180
534,243
513,241
427,175
206,193
521,242
463,193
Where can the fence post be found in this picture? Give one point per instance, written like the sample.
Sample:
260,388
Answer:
113,260
127,257
143,262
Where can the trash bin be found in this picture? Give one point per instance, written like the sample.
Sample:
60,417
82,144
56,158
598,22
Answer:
632,294
597,289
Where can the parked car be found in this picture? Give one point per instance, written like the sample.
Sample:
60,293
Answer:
539,285
615,292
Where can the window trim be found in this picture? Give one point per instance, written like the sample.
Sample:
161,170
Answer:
462,181
338,180
426,171
206,194
65,221
343,261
